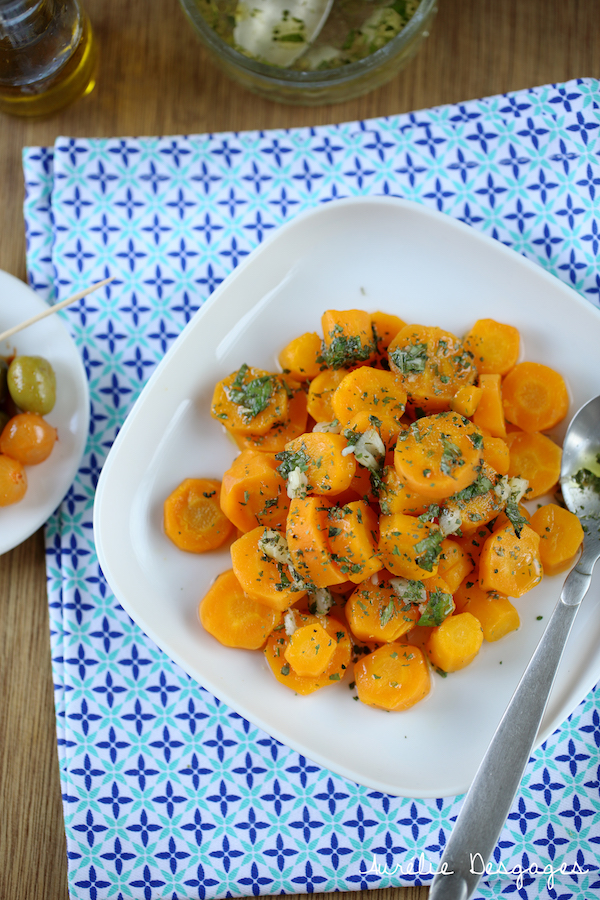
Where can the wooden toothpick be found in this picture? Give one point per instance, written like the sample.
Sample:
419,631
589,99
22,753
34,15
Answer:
53,309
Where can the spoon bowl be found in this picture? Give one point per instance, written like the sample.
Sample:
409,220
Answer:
580,469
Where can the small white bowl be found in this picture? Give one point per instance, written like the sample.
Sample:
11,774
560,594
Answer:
48,482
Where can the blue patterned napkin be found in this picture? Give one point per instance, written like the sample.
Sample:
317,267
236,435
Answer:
167,793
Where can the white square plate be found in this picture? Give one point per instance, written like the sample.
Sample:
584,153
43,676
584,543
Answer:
374,254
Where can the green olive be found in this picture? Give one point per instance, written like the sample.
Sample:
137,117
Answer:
32,384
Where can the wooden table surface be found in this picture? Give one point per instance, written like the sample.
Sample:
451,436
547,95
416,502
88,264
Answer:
155,78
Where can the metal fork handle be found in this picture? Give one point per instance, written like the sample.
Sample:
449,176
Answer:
496,782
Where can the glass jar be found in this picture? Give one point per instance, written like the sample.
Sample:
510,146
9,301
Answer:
312,88
47,55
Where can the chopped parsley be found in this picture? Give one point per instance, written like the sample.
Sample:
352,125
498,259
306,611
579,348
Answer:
514,516
386,613
345,350
290,460
451,456
411,359
428,550
438,607
585,478
251,396
481,485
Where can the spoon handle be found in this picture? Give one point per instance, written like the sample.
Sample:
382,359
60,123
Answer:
492,792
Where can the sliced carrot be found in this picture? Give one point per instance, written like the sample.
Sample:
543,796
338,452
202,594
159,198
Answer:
375,613
502,521
353,537
536,458
375,392
310,650
466,400
478,503
509,564
433,365
299,358
495,346
496,453
535,397
560,534
454,563
348,337
473,543
275,439
254,493
193,518
494,611
260,576
250,401
327,469
320,394
395,497
408,547
385,327
307,537
387,427
489,414
439,455
278,642
235,619
394,677
455,643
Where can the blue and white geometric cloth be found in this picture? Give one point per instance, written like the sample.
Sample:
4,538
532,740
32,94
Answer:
167,793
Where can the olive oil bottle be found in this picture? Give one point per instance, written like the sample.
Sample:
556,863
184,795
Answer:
48,56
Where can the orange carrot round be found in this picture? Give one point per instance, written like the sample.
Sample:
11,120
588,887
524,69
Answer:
495,346
261,576
353,537
455,643
235,619
307,537
299,358
279,640
509,564
561,536
394,677
320,394
535,397
439,455
253,492
193,518
407,547
373,391
375,613
327,469
250,401
275,439
433,365
536,458
489,414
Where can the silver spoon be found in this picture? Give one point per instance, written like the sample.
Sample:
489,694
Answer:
496,782
278,32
